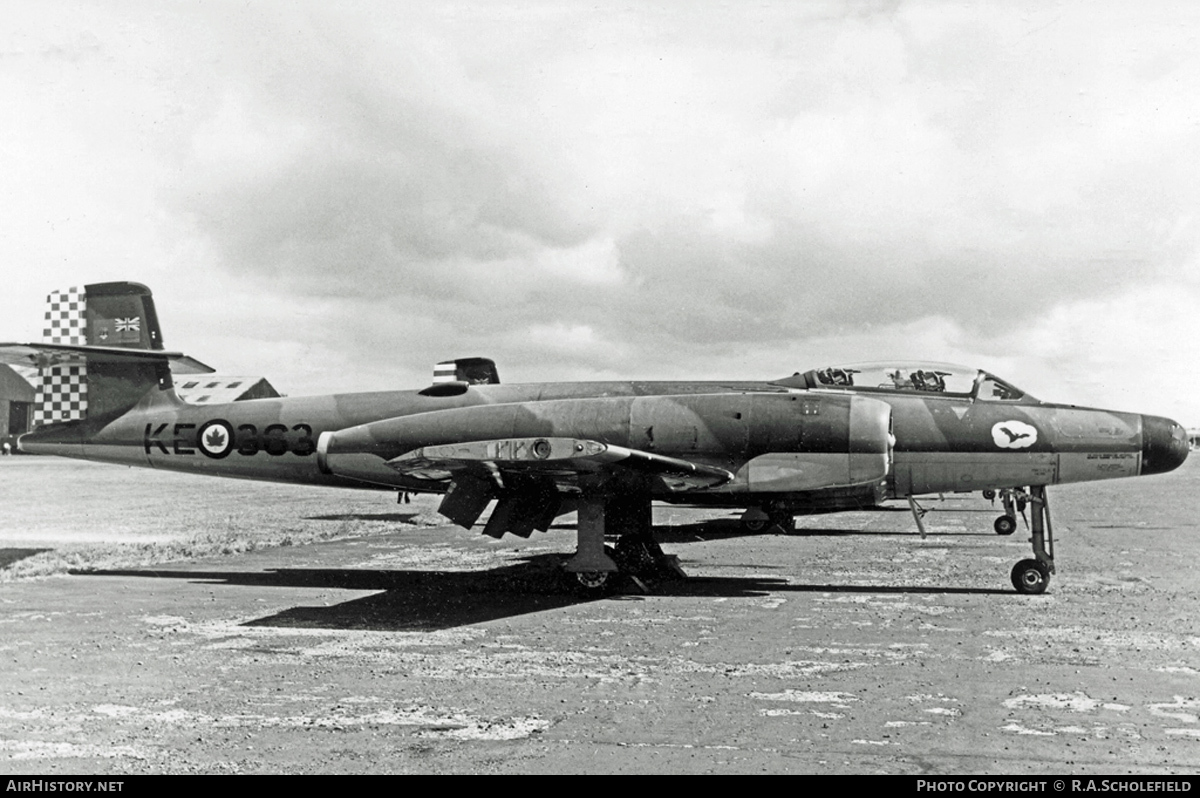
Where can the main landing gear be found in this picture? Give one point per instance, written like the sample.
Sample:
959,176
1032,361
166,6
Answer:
1033,576
775,519
595,568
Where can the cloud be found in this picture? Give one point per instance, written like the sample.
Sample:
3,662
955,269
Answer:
650,191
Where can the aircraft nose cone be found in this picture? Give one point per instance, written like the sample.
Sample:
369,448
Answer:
1164,445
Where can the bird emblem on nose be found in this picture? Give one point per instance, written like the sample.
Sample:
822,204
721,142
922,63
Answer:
1014,434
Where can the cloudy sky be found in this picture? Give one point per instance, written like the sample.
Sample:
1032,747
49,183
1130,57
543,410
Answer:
337,195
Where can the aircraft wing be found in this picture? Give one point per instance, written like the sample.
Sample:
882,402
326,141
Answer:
560,460
38,355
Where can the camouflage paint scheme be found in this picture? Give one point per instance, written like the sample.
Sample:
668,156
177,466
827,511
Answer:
808,443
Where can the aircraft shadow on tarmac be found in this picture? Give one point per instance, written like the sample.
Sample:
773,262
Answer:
435,600
398,518
730,528
708,529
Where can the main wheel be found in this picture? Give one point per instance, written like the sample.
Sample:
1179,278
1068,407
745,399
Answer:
754,524
1005,525
593,581
989,494
1031,577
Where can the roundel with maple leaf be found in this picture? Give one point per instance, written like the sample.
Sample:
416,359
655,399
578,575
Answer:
215,438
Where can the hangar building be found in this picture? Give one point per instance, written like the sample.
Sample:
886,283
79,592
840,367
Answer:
17,395
16,402
217,389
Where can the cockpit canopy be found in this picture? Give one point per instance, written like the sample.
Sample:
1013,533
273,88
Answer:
943,379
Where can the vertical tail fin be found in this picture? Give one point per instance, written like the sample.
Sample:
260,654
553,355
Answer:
62,388
74,387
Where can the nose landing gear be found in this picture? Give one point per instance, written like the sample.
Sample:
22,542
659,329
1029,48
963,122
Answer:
1032,577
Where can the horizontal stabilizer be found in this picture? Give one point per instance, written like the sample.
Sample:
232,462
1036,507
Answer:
563,460
42,355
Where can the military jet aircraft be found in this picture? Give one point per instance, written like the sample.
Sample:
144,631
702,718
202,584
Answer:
828,439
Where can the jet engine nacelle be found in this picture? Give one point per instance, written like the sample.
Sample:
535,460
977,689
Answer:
866,457
771,442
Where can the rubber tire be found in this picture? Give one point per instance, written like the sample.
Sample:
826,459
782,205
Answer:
594,582
1031,577
1005,525
755,524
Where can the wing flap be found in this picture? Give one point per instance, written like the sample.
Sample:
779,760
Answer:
563,460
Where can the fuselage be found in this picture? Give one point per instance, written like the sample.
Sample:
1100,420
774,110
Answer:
937,443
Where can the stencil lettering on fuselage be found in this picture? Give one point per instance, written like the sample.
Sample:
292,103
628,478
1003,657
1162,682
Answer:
217,439
1014,435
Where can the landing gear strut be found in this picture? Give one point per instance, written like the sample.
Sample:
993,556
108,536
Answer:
1033,576
596,568
592,566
